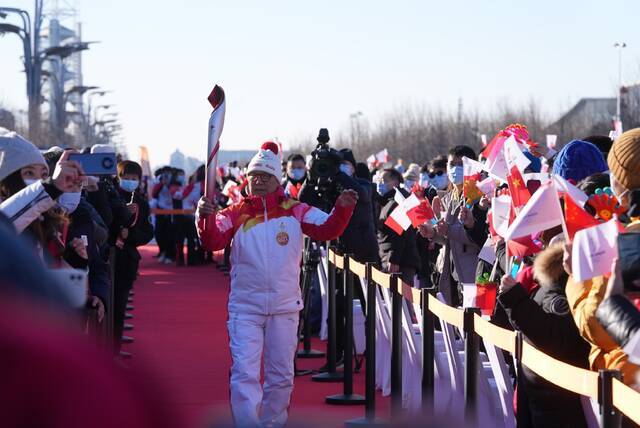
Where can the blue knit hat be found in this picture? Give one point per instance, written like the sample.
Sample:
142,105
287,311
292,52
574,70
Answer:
578,160
536,164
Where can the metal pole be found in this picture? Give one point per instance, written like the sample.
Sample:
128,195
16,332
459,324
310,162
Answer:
396,345
347,397
471,351
331,375
610,417
428,353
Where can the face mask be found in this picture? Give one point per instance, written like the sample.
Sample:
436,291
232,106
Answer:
129,185
455,174
346,169
408,184
29,182
297,174
180,179
381,188
68,202
440,182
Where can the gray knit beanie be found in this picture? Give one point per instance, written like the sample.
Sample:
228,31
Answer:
16,153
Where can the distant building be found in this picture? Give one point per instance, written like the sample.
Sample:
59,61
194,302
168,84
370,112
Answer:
594,116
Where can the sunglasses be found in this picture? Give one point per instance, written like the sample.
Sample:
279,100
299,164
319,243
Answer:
433,174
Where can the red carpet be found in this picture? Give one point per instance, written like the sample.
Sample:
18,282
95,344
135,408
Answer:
180,336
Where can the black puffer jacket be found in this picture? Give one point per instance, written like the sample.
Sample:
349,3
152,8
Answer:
619,317
359,238
396,249
546,322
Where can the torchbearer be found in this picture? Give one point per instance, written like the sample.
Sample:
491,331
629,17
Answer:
266,230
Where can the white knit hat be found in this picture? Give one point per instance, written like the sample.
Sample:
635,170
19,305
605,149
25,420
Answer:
266,160
102,148
16,153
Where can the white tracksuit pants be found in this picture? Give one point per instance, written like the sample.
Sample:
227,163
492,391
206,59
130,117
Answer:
250,336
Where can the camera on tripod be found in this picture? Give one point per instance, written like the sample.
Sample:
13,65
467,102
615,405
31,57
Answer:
325,161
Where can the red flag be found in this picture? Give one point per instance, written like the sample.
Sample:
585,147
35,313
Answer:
522,247
575,217
421,213
394,225
518,188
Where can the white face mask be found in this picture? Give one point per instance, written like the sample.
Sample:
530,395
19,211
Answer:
347,169
68,202
440,182
456,174
29,182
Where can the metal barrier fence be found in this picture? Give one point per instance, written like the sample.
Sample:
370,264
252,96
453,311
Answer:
613,397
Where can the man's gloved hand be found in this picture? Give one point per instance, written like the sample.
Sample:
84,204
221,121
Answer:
348,198
205,208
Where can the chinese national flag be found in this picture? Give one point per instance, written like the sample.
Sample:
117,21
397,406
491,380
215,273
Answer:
518,188
576,217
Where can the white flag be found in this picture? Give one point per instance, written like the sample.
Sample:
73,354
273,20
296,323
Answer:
594,249
542,212
500,210
563,186
513,155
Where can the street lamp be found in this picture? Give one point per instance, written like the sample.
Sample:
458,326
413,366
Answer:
619,46
32,60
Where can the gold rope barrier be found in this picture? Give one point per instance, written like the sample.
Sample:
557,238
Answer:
566,376
357,268
336,259
627,400
446,313
498,336
381,278
407,292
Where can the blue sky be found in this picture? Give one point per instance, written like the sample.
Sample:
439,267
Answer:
291,67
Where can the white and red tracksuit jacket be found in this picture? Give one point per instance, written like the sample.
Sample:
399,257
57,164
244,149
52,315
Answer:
267,236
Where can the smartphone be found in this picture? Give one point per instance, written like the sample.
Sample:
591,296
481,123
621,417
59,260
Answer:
74,283
96,163
629,260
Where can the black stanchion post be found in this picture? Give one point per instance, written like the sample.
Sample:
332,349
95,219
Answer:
331,375
610,417
471,354
428,353
396,345
518,363
347,397
370,419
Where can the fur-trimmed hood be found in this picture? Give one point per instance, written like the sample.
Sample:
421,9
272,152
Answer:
548,269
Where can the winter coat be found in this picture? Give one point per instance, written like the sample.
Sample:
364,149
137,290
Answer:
545,321
140,233
86,221
266,236
459,255
359,238
396,249
620,318
584,299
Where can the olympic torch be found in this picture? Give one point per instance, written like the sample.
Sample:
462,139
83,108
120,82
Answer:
216,123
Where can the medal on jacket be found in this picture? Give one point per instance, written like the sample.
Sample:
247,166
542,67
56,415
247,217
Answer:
282,238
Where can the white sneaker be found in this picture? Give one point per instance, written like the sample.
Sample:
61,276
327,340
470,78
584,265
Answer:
168,261
161,259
